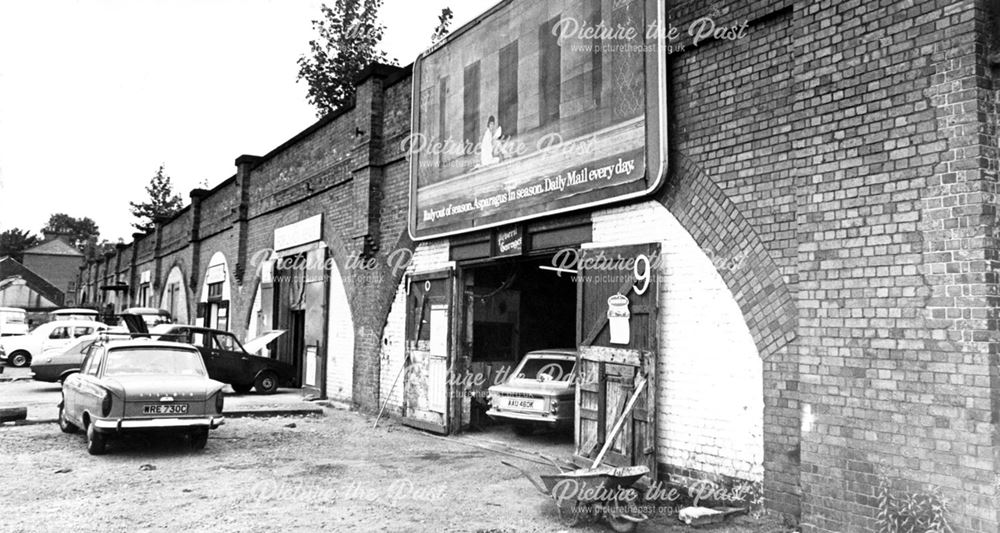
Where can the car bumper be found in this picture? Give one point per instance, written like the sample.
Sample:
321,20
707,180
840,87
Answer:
112,425
539,419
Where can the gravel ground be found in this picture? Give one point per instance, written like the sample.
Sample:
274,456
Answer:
331,473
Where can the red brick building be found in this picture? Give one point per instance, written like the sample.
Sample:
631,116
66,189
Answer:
822,319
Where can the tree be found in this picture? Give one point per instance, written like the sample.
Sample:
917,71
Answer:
347,43
81,231
163,202
443,27
15,241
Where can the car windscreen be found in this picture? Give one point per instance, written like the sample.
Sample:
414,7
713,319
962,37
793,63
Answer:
149,361
546,369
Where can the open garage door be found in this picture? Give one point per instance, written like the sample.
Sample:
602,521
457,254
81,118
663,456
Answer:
616,332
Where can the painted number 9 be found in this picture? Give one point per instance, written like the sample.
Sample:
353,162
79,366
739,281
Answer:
641,271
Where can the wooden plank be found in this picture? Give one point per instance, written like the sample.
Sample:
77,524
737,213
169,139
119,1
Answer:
618,356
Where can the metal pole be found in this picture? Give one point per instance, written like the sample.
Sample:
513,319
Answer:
386,402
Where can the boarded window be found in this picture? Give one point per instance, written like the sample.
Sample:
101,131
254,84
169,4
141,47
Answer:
470,118
549,73
507,98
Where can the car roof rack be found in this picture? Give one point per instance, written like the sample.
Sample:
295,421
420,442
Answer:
106,336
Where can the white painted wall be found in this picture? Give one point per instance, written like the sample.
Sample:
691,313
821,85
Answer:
710,382
340,340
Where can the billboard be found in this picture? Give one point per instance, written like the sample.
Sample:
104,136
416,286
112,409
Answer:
537,108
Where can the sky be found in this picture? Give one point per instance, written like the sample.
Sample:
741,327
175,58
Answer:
96,94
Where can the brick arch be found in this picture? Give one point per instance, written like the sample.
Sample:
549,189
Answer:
179,264
715,223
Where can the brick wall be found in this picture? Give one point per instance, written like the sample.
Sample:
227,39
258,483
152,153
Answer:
895,258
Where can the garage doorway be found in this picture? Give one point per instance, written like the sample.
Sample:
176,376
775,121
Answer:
511,307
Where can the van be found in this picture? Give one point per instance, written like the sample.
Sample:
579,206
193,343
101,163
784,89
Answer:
13,321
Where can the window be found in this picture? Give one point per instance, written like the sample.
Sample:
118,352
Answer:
197,338
144,295
215,291
90,363
227,343
61,332
81,331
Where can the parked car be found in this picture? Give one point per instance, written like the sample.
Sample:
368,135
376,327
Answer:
13,321
539,393
229,362
73,314
141,385
20,350
55,364
150,315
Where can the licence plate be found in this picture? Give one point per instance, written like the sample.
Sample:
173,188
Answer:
165,409
524,403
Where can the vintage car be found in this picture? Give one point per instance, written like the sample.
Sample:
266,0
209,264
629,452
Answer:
21,349
229,362
57,363
539,393
141,385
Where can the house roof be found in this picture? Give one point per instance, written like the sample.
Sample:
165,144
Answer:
54,247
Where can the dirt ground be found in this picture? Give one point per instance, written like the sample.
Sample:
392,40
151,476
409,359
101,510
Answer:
332,473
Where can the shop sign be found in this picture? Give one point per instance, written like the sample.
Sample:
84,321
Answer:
299,233
508,241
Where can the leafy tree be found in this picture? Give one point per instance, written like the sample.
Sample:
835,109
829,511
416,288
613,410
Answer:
15,241
80,230
163,202
443,27
347,42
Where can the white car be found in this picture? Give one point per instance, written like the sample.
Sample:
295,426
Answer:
21,349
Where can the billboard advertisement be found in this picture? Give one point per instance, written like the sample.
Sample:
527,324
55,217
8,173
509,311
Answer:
537,108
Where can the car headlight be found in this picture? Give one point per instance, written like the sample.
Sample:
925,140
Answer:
554,406
219,400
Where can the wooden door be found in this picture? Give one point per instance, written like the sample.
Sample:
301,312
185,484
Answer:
428,348
617,353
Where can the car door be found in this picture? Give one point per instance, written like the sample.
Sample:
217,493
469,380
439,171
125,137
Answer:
204,342
90,394
231,358
76,384
59,337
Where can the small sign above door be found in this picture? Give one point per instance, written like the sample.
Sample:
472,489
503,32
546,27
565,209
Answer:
508,241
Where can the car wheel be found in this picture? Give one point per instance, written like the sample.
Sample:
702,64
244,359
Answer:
65,425
199,440
523,429
266,383
19,358
96,442
242,389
